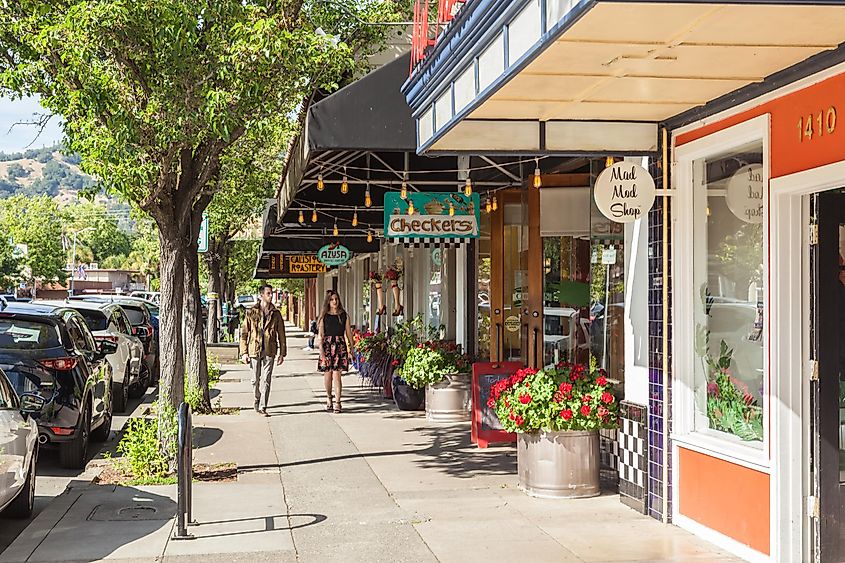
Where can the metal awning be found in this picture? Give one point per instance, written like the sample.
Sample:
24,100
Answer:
599,76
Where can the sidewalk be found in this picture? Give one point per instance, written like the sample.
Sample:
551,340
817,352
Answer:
371,484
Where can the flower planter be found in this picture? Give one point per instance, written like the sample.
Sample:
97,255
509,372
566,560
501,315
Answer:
406,397
449,400
559,464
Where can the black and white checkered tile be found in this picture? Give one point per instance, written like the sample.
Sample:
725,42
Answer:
633,453
425,242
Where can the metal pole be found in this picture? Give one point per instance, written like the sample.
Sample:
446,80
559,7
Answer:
606,317
183,476
189,469
72,265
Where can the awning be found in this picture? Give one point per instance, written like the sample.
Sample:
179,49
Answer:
599,76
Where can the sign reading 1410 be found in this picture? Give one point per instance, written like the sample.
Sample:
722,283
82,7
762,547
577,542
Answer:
624,192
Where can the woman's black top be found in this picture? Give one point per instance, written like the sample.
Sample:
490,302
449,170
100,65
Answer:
334,325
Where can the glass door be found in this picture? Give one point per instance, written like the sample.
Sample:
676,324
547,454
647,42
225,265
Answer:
514,282
566,299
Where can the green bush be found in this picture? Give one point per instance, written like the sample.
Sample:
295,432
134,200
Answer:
141,450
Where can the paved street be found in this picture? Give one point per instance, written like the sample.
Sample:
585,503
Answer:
371,484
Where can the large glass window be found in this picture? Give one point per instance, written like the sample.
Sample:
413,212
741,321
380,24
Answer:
729,284
483,290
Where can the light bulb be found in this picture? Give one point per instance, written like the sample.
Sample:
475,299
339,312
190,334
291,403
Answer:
468,188
335,231
368,200
410,207
355,218
451,209
538,181
314,215
301,216
344,185
495,203
404,193
369,236
609,162
320,184
488,206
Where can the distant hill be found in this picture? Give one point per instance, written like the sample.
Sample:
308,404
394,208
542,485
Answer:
42,171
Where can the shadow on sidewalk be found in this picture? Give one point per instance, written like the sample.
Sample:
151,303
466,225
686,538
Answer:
452,452
269,524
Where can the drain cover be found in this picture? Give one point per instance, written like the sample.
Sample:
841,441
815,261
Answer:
147,511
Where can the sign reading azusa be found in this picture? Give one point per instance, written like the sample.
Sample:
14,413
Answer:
435,215
334,254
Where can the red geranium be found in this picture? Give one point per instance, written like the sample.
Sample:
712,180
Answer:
519,420
601,380
525,399
607,398
586,410
566,414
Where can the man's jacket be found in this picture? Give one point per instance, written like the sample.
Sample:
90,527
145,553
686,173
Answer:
257,333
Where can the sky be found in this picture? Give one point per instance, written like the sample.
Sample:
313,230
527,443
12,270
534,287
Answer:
22,137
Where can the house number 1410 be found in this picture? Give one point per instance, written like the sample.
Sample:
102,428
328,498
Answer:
818,124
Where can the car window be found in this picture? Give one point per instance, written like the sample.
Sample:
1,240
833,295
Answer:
26,379
96,320
77,335
123,321
28,334
8,399
137,315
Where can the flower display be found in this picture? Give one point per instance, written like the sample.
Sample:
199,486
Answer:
367,343
564,397
731,407
429,362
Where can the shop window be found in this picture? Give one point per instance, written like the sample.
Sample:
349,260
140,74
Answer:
729,285
435,308
483,288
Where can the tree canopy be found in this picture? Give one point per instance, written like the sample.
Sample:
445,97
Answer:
37,223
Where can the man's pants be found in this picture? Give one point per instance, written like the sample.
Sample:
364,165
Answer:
262,373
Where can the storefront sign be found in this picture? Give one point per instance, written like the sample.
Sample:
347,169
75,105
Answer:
334,254
297,265
624,192
512,323
486,427
745,193
436,215
608,256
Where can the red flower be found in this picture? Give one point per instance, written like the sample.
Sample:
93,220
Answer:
558,397
586,410
566,414
511,416
586,399
491,402
607,398
603,412
565,388
525,398
507,403
601,380
519,420
573,377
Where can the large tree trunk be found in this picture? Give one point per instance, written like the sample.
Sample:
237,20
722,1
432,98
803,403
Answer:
195,351
213,260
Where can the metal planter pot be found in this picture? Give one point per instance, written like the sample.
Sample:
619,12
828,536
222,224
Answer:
406,397
450,399
559,464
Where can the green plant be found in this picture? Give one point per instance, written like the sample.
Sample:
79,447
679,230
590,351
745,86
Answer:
730,405
214,370
193,395
430,362
567,397
408,335
142,454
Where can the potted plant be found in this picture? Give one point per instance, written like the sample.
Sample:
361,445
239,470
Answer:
440,369
557,414
406,336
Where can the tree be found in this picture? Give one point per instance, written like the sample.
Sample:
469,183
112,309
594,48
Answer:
154,93
105,237
37,223
10,265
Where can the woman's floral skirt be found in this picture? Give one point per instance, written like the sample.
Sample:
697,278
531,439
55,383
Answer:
336,354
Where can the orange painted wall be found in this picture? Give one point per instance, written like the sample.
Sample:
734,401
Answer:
725,497
790,151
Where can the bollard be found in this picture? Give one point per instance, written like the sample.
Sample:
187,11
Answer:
184,476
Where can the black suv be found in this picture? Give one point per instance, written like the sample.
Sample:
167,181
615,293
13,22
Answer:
48,349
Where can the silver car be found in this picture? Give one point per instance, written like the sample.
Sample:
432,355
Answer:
18,449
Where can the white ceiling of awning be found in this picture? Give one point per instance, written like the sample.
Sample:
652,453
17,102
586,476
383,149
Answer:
651,61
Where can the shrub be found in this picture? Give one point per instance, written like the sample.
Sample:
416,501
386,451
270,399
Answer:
141,449
430,362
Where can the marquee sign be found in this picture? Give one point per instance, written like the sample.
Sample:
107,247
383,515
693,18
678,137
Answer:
437,215
334,254
296,265
624,192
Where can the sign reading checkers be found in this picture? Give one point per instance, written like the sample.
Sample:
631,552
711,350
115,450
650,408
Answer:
624,192
435,215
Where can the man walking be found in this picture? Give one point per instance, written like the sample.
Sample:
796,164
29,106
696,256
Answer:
262,341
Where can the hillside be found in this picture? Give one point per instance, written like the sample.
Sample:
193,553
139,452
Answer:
42,171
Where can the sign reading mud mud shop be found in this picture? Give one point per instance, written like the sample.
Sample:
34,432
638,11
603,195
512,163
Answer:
744,193
624,192
334,255
436,215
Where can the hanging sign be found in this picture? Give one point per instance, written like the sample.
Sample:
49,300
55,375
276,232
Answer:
202,241
334,254
624,192
744,194
608,256
296,265
445,215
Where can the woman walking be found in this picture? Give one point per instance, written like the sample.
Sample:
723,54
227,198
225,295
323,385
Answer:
335,347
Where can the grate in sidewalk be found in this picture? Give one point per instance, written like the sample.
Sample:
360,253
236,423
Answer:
120,512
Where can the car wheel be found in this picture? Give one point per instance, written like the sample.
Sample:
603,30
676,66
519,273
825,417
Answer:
74,454
101,433
21,507
138,389
120,393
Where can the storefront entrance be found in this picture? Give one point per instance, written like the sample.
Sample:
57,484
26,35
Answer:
827,337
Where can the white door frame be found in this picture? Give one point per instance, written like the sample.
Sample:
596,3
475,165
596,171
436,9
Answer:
790,274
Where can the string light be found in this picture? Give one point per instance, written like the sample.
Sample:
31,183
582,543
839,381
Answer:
468,187
451,209
609,162
495,203
301,216
320,184
538,181
369,236
488,205
314,214
344,185
368,200
335,231
355,218
404,193
411,209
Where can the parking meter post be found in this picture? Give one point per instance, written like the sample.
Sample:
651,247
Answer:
183,477
189,467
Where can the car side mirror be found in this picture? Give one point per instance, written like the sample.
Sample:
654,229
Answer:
32,403
107,347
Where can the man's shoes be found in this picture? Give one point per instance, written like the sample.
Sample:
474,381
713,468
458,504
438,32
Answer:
263,412
255,406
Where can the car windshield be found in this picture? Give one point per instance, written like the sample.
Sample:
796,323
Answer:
136,315
27,335
244,298
96,320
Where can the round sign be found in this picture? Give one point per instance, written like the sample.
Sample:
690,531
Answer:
624,192
745,193
334,254
512,323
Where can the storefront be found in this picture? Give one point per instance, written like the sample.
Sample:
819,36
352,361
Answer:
730,289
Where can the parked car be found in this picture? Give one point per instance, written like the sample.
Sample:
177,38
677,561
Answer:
50,350
108,321
144,324
151,296
247,300
18,449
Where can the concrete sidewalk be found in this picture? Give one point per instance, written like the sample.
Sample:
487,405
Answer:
371,484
